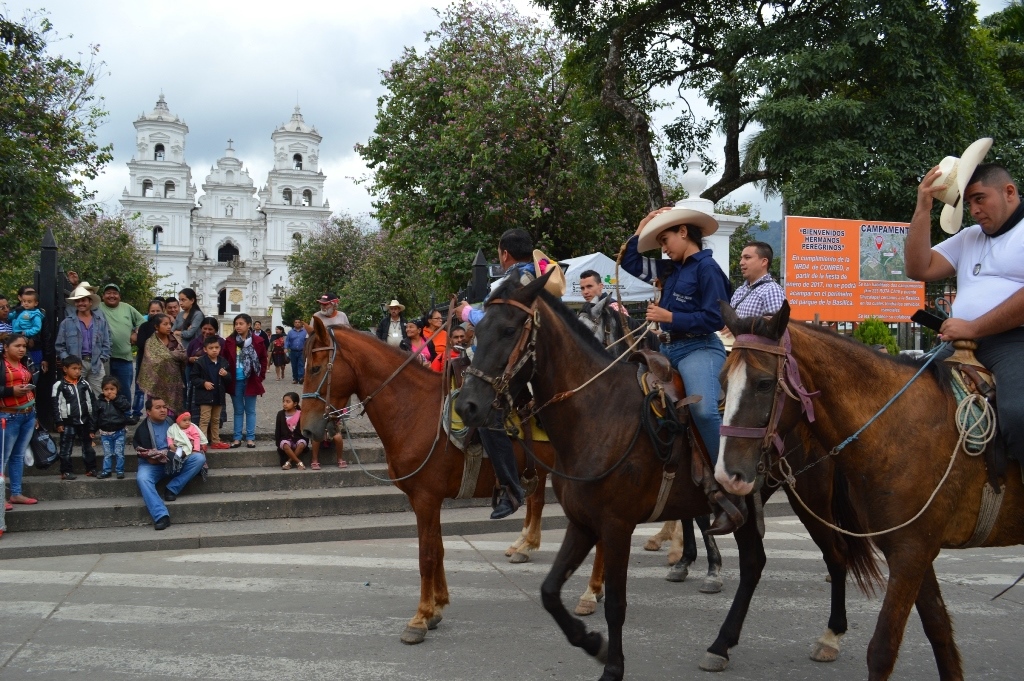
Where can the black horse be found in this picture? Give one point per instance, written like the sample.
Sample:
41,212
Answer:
608,475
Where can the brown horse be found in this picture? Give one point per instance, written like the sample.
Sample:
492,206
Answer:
609,476
892,467
405,415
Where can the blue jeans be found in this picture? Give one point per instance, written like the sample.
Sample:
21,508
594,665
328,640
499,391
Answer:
113,448
150,473
298,366
124,371
244,406
16,437
699,361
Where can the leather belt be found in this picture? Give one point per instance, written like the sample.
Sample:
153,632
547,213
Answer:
676,336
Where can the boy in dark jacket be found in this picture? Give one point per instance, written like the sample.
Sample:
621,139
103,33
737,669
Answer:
112,421
74,410
208,376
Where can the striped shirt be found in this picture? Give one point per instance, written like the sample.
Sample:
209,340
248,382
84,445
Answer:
763,297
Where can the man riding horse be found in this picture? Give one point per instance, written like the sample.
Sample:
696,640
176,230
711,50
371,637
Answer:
986,258
515,254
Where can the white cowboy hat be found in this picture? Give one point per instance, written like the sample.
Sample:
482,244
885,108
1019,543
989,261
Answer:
707,224
82,291
87,286
542,264
395,303
956,173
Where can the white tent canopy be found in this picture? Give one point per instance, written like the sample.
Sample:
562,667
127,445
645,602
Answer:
630,288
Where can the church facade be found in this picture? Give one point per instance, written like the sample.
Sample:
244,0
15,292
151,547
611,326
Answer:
230,243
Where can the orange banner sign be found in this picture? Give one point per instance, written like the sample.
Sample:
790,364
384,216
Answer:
848,270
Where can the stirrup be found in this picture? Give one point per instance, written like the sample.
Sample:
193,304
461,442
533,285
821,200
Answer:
730,516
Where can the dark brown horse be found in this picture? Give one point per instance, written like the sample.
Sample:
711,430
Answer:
405,415
609,476
892,467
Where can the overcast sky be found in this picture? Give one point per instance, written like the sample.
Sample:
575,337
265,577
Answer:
236,69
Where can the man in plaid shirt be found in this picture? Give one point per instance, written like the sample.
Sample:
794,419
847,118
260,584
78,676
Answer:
760,294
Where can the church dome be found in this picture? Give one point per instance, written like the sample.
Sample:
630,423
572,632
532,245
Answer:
297,123
160,112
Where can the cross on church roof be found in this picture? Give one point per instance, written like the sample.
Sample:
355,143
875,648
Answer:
230,142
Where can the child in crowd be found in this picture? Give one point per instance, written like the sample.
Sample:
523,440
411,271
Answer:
287,435
184,437
209,374
29,322
112,408
74,410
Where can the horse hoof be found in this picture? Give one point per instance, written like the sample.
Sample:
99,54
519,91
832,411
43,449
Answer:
510,551
652,545
602,653
711,585
413,635
586,607
678,572
519,557
822,652
714,663
434,621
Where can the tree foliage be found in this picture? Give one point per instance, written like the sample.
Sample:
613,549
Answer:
104,249
49,113
481,131
878,94
873,331
365,268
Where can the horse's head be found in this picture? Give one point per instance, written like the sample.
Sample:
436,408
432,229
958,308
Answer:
754,398
327,377
503,361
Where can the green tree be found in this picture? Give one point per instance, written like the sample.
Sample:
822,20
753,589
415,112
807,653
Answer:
873,331
104,249
878,94
482,131
393,267
747,232
327,260
49,113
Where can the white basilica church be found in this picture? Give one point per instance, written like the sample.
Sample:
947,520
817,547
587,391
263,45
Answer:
229,245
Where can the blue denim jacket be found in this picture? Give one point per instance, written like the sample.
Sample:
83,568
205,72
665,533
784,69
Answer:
69,340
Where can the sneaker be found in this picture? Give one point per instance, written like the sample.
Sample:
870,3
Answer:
120,476
104,475
68,476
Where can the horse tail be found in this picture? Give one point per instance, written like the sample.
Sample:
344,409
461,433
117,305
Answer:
861,554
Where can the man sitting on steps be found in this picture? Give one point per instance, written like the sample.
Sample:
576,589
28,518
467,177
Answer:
150,442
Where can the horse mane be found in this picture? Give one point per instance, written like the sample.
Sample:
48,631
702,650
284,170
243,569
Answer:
509,287
399,354
938,370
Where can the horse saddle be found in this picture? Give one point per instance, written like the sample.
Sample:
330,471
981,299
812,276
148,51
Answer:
661,376
970,376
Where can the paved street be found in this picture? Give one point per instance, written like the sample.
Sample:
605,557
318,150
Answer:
335,610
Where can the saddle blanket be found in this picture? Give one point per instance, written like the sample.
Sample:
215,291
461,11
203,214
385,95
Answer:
457,431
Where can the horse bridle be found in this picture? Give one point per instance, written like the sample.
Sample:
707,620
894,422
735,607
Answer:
525,349
331,410
787,383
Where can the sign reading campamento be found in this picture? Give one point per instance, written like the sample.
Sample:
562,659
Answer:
848,270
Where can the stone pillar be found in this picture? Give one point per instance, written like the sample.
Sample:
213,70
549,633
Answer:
694,182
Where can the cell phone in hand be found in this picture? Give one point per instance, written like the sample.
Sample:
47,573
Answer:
30,386
928,320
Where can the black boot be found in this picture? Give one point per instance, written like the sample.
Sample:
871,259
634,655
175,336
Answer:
507,504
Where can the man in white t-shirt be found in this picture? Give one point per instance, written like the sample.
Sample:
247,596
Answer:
988,261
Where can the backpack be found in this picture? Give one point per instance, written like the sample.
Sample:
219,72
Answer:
43,449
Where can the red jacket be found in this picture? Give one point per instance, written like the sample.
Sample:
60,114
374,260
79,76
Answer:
253,384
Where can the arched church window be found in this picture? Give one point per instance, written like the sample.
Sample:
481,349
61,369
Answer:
229,177
147,188
227,252
297,162
158,152
168,190
287,196
307,197
157,231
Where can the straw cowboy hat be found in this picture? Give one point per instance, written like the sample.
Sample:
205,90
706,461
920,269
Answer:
82,291
955,174
706,223
395,303
556,282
